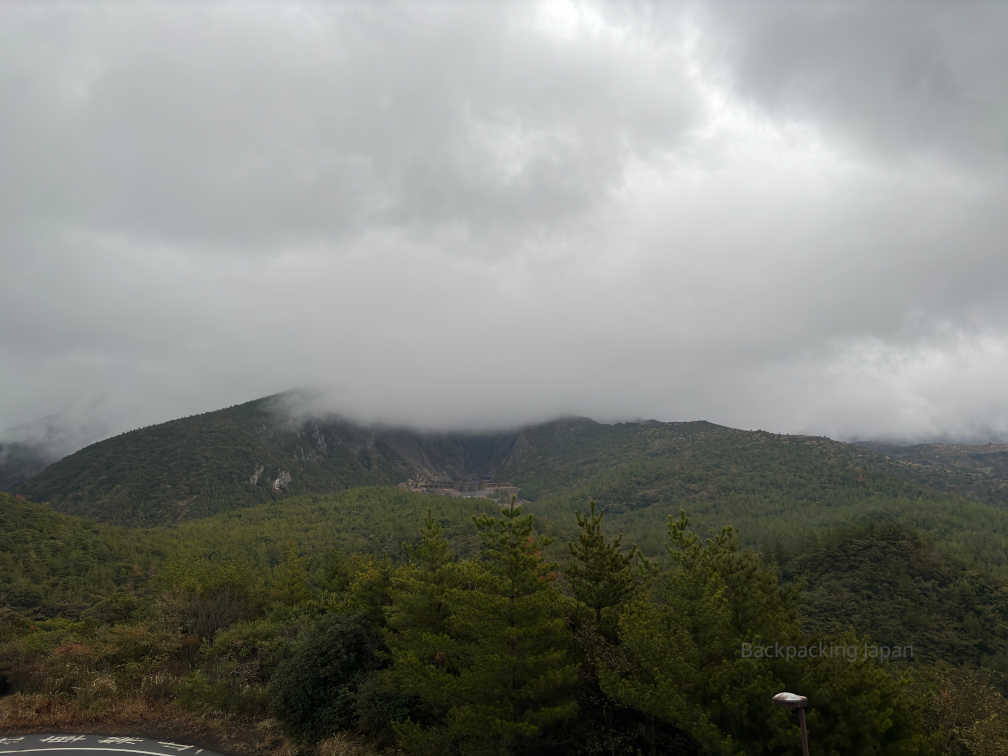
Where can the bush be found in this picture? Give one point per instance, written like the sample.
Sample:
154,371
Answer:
198,692
252,650
314,693
114,610
205,599
13,624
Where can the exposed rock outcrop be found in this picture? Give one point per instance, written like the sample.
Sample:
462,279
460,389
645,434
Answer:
282,481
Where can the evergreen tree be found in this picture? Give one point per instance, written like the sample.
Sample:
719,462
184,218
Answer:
861,706
601,574
680,660
516,685
424,664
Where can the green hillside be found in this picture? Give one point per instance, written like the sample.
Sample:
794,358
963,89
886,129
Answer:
195,466
898,586
53,564
246,454
979,470
254,453
781,492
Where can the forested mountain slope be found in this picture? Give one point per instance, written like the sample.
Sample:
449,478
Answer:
895,584
979,470
55,564
249,453
256,452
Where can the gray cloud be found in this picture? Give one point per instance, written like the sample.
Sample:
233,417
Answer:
908,80
456,215
231,127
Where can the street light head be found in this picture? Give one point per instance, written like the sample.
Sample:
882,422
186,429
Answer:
791,700
794,701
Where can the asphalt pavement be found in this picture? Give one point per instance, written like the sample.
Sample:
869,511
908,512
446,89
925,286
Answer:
97,744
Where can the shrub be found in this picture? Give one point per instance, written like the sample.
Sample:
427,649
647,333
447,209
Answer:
252,650
198,692
314,693
118,609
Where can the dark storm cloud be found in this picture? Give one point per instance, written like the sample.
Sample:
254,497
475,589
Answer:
785,215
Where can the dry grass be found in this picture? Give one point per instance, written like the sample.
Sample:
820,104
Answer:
344,745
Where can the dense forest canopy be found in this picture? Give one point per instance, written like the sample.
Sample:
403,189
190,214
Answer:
386,613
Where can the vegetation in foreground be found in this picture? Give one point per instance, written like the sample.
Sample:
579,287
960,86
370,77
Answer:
478,639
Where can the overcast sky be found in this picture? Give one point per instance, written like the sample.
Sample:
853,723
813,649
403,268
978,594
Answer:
787,216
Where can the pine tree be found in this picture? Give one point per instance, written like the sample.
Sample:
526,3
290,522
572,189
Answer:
517,682
419,592
601,574
424,664
680,660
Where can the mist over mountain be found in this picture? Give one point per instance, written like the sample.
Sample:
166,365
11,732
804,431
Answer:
27,449
600,210
19,462
69,429
287,444
57,434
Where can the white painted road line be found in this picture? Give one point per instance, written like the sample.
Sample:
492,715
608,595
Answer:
97,744
95,749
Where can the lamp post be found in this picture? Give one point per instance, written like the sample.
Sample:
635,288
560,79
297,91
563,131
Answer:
794,701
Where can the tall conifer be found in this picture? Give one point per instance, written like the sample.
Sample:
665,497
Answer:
518,682
601,573
424,662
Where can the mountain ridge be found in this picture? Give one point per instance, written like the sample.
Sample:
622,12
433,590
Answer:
260,451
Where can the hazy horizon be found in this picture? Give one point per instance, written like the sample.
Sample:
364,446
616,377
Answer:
57,441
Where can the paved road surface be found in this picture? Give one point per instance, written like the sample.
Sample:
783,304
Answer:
96,744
